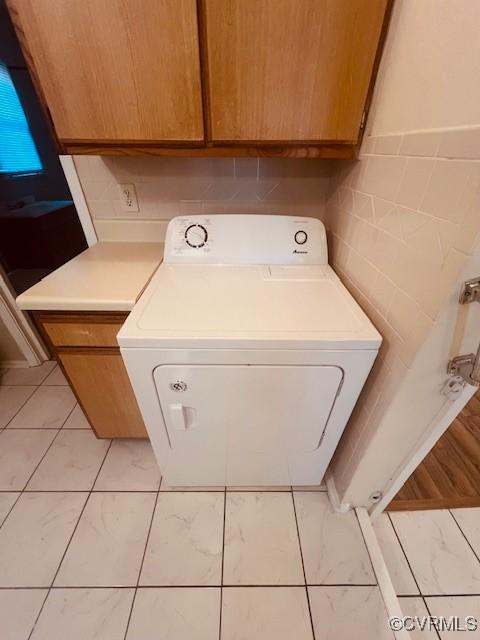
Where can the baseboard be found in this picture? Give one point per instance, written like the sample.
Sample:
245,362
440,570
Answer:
340,507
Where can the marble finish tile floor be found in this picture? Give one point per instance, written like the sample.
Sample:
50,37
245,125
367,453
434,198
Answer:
433,558
93,546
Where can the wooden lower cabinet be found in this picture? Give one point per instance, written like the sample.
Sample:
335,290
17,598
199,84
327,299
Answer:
85,346
102,384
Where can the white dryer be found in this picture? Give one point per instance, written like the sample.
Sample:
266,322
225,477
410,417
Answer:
246,353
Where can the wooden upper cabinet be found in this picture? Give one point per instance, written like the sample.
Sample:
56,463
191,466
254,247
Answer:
290,70
115,70
141,76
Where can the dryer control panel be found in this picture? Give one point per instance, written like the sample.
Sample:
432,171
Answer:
245,239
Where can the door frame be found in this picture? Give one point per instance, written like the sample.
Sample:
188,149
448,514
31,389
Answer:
434,432
20,326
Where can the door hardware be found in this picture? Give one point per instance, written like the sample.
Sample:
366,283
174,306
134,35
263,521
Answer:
470,291
467,367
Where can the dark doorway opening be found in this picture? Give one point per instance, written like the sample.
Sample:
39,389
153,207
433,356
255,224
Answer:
39,226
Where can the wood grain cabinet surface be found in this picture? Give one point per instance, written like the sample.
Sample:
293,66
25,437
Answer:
290,71
115,70
101,382
204,77
86,348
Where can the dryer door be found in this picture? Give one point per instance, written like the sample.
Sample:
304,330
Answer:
240,424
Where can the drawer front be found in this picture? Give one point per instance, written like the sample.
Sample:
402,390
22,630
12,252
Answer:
83,334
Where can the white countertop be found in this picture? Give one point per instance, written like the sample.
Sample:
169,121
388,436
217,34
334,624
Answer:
109,276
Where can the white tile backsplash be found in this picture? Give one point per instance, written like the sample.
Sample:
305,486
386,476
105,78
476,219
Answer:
168,187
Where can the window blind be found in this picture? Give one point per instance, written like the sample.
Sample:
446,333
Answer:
18,153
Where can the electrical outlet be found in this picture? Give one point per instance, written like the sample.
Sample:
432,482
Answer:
128,197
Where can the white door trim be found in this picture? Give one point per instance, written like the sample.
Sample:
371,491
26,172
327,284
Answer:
428,373
19,326
78,198
434,432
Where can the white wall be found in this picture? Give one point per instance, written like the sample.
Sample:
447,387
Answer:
403,221
430,73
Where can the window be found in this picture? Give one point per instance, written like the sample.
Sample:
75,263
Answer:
18,153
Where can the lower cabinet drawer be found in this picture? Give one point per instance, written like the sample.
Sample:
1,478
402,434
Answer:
82,333
103,387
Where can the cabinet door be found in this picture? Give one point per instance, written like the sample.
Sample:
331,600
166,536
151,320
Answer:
115,70
290,70
103,387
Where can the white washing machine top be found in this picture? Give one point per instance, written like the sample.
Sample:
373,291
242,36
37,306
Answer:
244,281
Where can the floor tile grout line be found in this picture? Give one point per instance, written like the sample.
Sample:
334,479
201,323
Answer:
21,491
11,508
43,457
69,414
223,562
40,461
303,563
419,594
452,595
11,429
404,554
82,491
63,384
259,490
39,384
44,428
21,406
232,586
89,493
143,559
464,535
430,614
46,376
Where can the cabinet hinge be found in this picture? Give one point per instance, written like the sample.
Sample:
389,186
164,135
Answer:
362,121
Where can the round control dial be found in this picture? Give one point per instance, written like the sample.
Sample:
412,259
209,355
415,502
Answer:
196,236
301,237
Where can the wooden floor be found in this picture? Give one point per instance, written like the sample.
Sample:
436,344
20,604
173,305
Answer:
450,474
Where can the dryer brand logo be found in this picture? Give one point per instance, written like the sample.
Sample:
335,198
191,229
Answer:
297,251
178,385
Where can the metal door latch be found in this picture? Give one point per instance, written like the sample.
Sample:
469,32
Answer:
470,291
468,366
453,387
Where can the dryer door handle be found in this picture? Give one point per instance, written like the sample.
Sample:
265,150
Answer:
178,416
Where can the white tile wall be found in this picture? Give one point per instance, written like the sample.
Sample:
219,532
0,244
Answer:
402,222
